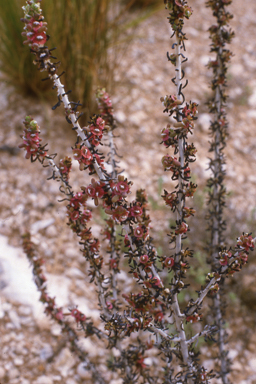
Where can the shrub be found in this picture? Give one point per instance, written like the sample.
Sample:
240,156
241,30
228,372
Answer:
148,321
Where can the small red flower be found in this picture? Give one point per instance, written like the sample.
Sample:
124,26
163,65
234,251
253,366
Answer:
79,316
169,262
243,257
109,305
190,190
85,216
245,241
85,234
188,212
65,167
144,259
113,264
224,256
83,155
94,246
170,102
170,163
135,210
95,190
73,214
139,232
118,214
59,315
159,316
153,282
170,199
182,228
78,200
193,318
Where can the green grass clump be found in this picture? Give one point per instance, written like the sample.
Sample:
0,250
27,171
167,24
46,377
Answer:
138,4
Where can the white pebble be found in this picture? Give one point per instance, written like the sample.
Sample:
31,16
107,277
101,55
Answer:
13,373
83,372
2,372
44,380
14,318
24,310
18,361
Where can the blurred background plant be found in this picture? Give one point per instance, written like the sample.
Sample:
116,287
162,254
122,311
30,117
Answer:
91,36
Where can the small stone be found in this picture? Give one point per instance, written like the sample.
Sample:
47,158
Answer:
120,117
24,381
236,366
252,364
13,373
83,372
26,320
75,272
204,59
46,352
71,381
252,99
65,362
44,380
51,231
236,69
6,307
56,330
137,117
41,224
24,310
14,318
18,361
9,326
2,372
1,310
204,120
17,209
232,354
70,252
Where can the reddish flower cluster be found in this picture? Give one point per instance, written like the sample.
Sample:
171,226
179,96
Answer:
181,228
31,140
170,135
77,202
95,190
193,318
170,163
246,242
118,214
178,11
104,103
65,167
83,155
35,31
120,189
78,316
170,102
224,257
95,130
